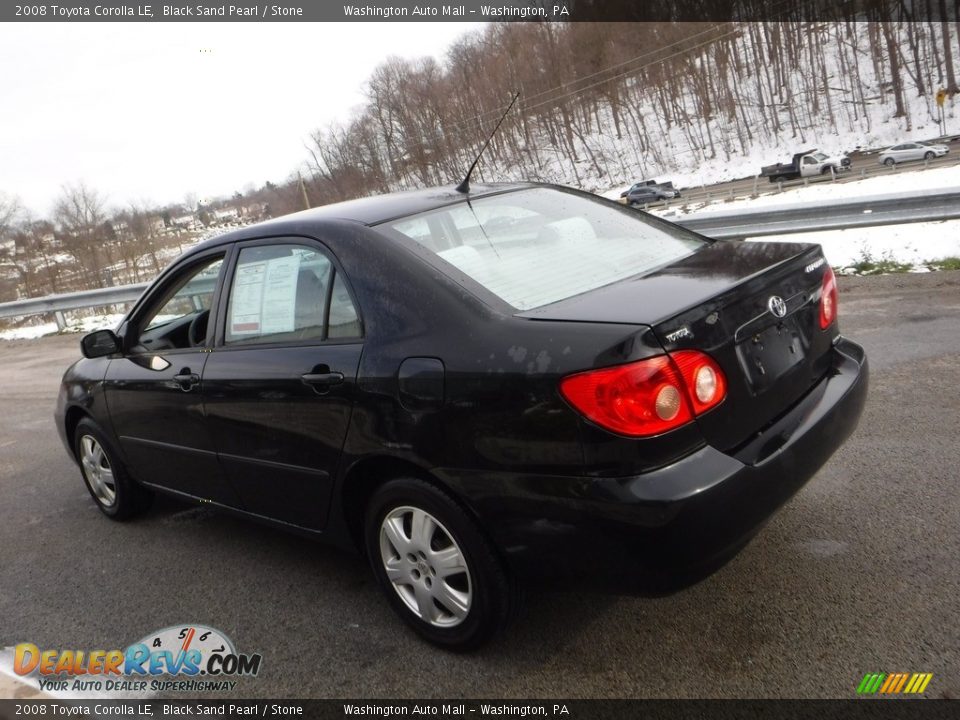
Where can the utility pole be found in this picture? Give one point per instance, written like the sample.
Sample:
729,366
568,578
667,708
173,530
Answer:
303,191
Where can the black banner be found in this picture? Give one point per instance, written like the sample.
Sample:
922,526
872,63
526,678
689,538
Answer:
478,11
864,709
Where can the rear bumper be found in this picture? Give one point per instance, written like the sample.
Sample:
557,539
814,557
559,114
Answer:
662,530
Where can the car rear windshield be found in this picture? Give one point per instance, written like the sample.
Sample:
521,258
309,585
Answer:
538,246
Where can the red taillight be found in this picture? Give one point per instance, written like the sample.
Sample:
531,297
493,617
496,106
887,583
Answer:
828,299
705,381
648,397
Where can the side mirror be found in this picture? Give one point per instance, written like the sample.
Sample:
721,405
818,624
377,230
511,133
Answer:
100,343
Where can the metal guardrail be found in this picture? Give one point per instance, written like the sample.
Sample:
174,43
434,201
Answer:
57,304
898,209
119,295
728,225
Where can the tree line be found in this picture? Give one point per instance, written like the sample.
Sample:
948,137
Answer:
85,243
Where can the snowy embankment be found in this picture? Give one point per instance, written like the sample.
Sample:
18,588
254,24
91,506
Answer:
912,244
75,325
707,150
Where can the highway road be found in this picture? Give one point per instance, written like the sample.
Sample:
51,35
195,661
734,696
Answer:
859,573
861,164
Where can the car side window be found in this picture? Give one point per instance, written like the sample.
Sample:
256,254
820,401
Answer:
283,293
344,322
179,317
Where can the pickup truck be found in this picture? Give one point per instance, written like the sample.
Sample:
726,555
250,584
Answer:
806,164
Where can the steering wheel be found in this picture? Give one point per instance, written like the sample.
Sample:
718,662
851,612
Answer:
197,332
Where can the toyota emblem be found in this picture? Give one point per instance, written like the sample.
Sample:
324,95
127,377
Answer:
777,306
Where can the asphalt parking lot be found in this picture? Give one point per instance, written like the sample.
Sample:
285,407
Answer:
859,573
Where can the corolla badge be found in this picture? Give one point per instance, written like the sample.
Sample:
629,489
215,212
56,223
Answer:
777,306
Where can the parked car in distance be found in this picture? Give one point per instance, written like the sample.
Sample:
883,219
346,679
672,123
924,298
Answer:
666,186
525,384
911,151
808,163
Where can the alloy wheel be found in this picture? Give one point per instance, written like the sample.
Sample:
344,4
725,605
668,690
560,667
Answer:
425,566
97,471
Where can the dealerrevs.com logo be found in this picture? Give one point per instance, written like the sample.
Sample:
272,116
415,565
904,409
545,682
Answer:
186,658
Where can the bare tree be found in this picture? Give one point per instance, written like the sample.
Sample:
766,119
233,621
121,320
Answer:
9,209
947,50
80,216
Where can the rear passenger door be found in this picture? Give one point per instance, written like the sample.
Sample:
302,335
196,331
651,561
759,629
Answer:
279,386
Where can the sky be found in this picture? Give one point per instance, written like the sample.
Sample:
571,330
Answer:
154,111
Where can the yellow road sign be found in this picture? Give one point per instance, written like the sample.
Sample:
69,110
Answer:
941,96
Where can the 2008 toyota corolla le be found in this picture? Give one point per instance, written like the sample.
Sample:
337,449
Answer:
476,390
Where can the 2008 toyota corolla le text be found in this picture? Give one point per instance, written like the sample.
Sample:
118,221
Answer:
522,383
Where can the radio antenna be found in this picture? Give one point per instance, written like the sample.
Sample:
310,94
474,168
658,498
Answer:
464,185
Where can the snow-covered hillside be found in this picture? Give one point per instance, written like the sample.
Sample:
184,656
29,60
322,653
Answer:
849,105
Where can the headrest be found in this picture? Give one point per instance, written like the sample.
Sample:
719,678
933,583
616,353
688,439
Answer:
575,229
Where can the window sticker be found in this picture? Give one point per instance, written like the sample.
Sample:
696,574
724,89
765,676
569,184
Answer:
264,297
247,299
280,295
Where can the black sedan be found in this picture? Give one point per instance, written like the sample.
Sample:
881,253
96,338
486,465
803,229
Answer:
476,391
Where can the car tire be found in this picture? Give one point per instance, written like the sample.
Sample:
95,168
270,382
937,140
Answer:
826,170
117,495
929,155
889,162
412,530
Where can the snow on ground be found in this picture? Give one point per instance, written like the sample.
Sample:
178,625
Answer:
911,244
74,325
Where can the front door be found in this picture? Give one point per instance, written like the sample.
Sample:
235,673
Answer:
279,387
154,393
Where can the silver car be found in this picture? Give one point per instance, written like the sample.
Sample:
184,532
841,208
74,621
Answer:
912,151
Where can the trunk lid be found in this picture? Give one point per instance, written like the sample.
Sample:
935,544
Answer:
718,300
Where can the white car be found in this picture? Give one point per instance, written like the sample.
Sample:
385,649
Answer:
912,151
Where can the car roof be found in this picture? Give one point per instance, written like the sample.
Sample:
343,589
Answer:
371,210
